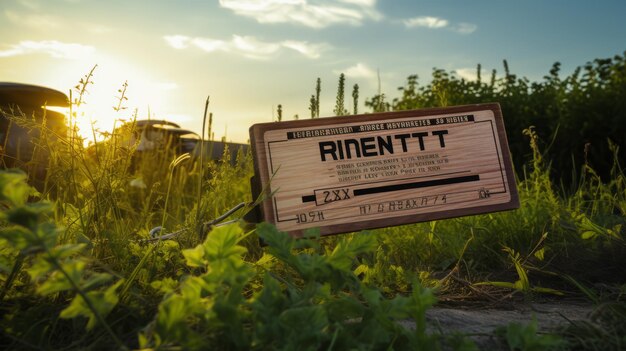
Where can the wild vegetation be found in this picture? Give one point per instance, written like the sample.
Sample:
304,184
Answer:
579,119
80,266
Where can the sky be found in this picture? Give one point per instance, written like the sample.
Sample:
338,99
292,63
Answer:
250,56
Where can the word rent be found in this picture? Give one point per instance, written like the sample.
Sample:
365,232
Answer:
375,146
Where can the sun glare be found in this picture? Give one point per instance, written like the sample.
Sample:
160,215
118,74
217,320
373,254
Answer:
107,103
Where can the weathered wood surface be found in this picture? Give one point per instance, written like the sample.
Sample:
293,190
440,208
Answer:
344,174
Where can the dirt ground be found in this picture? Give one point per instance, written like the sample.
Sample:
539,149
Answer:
480,323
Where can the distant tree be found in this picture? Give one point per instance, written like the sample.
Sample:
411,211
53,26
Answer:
378,104
313,106
355,99
318,90
339,104
579,120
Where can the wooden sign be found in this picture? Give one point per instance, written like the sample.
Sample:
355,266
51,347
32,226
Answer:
344,174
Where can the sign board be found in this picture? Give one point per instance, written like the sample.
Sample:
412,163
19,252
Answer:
344,174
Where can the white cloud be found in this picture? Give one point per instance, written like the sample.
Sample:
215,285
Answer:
177,41
470,74
247,46
437,23
39,21
312,51
208,45
53,48
253,48
466,28
426,21
367,3
466,73
302,12
360,70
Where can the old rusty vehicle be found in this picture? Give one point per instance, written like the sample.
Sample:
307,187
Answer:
33,122
150,136
154,135
28,126
162,134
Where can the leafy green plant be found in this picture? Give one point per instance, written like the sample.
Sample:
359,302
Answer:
53,269
317,302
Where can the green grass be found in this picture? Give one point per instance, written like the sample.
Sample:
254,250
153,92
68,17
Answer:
77,270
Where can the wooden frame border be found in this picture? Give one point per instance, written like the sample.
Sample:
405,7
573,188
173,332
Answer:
263,176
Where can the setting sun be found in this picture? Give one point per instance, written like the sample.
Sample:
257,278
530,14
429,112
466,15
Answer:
467,158
251,56
112,98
